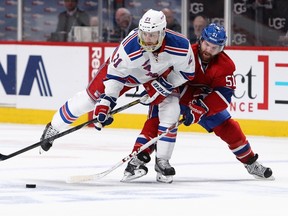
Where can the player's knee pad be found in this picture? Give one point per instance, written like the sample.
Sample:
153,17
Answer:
81,103
230,132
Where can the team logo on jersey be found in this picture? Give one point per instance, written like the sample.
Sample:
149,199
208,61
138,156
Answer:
147,66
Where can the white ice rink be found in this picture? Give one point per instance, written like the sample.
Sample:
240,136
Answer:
208,181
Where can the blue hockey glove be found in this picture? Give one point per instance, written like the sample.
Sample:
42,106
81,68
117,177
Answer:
194,112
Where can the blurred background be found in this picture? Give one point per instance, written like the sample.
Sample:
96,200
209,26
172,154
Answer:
248,22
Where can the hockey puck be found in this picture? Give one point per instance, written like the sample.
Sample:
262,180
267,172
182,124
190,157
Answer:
30,185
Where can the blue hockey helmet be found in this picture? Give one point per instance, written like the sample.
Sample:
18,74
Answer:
214,34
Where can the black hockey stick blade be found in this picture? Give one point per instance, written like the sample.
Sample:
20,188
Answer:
5,157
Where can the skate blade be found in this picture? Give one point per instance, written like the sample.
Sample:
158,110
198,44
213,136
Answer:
138,174
271,178
164,179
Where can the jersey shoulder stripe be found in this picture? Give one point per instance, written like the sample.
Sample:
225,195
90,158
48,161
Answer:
175,33
132,47
129,38
135,55
176,43
175,51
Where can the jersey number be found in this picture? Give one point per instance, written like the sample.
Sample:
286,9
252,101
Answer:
116,60
230,81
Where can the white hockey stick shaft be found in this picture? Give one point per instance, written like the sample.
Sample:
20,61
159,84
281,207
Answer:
83,178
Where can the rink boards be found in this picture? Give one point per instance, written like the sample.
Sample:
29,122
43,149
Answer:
36,79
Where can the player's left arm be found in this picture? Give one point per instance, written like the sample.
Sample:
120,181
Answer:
204,103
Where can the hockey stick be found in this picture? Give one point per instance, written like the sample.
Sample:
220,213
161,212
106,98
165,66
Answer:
83,178
5,157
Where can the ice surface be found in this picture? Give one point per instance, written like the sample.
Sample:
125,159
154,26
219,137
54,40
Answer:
209,180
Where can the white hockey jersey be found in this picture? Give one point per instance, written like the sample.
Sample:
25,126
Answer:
131,65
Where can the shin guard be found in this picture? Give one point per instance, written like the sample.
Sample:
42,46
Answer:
230,132
149,131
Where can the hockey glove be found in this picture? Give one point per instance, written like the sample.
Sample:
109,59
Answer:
195,112
156,91
103,107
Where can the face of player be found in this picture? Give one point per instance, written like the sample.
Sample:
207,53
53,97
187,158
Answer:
208,50
150,38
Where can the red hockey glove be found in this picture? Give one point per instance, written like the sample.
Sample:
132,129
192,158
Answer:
103,107
156,91
195,112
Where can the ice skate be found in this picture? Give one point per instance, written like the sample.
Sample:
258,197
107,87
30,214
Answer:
136,167
165,171
49,131
257,170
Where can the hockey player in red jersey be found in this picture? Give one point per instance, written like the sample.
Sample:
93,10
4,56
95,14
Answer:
151,55
204,101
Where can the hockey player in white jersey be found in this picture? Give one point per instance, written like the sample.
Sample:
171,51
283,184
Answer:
151,55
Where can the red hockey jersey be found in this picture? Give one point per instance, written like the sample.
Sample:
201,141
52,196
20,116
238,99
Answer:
215,81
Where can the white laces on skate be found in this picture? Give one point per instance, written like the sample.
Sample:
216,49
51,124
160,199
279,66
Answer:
48,132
